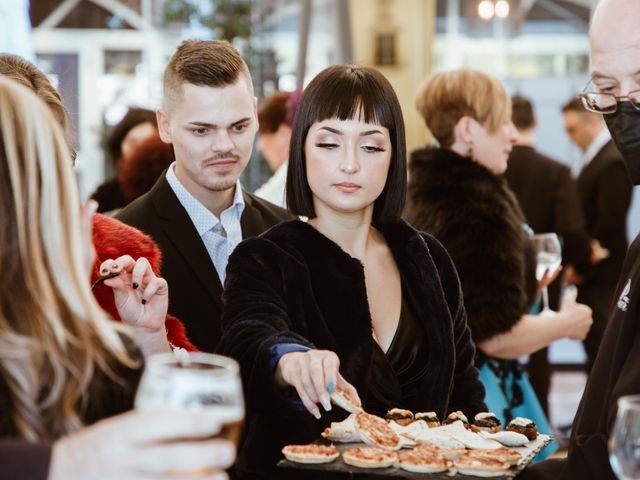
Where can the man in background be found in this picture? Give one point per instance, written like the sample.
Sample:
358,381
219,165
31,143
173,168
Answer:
550,202
605,193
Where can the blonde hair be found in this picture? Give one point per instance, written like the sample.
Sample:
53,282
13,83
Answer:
53,334
444,98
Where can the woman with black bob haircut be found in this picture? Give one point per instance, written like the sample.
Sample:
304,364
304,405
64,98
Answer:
355,298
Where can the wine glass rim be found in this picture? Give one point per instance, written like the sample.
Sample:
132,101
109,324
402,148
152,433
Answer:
226,366
629,400
544,234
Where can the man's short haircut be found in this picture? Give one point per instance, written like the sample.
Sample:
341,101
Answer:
205,63
574,105
349,92
444,98
522,113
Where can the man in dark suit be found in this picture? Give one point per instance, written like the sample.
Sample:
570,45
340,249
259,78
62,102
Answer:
550,202
197,211
605,192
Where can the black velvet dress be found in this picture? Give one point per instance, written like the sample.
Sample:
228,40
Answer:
397,374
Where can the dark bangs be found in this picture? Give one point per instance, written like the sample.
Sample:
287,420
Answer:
349,93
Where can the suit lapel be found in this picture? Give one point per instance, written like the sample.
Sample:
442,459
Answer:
251,222
180,230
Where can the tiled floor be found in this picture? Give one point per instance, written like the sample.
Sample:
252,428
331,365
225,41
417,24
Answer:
565,395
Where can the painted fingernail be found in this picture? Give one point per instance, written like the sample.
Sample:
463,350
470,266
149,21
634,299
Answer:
316,413
331,387
326,403
143,301
134,285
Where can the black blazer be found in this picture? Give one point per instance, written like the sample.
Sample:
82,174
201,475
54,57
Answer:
550,201
294,285
605,191
194,285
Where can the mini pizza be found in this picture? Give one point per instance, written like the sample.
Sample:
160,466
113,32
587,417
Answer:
486,422
369,457
430,417
480,467
450,453
508,439
400,416
342,432
419,461
523,426
376,432
455,417
311,453
342,399
503,454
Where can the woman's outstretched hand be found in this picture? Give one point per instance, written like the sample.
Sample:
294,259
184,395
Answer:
314,374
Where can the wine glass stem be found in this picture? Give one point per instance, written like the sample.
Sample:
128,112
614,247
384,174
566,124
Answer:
545,299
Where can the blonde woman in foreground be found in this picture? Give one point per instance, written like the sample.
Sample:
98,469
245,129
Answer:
63,363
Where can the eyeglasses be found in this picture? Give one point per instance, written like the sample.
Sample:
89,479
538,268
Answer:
606,103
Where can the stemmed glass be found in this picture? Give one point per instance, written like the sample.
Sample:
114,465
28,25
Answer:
624,444
549,258
195,381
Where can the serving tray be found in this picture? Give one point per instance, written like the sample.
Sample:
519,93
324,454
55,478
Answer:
528,452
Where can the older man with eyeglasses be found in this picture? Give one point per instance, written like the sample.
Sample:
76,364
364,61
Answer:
615,58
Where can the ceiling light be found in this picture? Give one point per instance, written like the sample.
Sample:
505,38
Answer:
485,9
502,8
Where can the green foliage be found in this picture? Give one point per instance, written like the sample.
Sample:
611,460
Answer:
228,20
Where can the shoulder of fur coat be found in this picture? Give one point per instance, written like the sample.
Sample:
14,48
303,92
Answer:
477,218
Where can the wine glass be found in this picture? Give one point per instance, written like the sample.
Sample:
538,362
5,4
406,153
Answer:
195,381
549,258
624,444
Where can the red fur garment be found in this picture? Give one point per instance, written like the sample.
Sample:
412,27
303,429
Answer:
112,239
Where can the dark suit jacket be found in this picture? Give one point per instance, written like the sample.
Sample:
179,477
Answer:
550,201
605,191
194,285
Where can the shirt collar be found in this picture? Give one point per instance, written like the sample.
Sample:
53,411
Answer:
203,219
596,145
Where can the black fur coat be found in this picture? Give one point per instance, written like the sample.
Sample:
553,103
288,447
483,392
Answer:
294,285
477,218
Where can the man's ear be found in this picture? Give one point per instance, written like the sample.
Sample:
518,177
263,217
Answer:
164,127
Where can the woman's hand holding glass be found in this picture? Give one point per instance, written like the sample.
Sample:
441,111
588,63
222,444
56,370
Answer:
140,445
314,374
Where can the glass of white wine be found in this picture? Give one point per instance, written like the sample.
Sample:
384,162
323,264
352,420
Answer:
549,257
195,381
624,444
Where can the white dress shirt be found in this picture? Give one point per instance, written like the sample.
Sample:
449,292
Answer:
219,235
273,189
592,150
